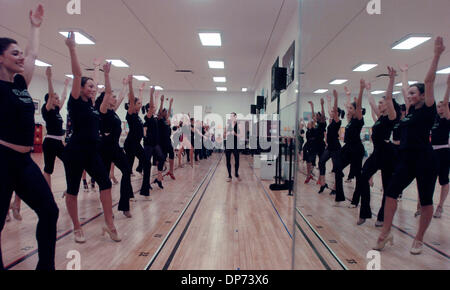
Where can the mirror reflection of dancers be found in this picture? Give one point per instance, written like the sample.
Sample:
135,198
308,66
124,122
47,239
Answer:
166,141
317,145
18,171
231,146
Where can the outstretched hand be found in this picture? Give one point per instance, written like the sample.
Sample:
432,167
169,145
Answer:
48,72
362,83
392,72
439,47
107,67
403,67
347,91
37,17
70,41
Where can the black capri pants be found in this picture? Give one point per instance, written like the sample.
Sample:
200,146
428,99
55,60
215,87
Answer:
156,153
78,158
326,155
133,149
416,164
441,157
52,148
19,173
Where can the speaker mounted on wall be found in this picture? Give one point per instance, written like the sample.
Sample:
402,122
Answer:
280,80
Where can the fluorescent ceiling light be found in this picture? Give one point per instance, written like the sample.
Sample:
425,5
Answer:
410,41
365,67
210,38
320,91
410,83
158,88
216,64
220,79
338,82
37,62
100,86
244,90
142,78
377,92
69,76
118,63
444,71
396,92
80,37
221,89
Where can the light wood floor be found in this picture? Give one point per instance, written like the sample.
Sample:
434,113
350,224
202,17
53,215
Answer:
200,221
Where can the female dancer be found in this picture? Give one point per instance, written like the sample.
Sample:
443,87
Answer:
415,156
18,172
318,139
111,129
82,151
383,156
53,144
353,151
333,144
166,141
152,148
232,133
439,140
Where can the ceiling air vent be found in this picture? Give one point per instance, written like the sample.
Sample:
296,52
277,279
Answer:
184,71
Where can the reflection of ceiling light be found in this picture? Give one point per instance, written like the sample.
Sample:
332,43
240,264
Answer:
410,41
216,64
410,83
444,71
396,92
338,82
378,92
142,78
210,38
80,37
158,88
220,79
320,91
37,62
100,86
118,63
244,90
221,89
69,76
365,67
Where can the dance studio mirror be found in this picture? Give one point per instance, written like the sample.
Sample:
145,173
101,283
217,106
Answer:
341,43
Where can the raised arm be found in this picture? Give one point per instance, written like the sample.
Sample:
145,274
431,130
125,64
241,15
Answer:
312,108
64,93
161,106
431,76
322,102
348,93
392,114
32,50
446,98
141,91
335,107
108,89
122,93
51,91
131,98
170,107
76,69
373,105
152,101
329,106
359,114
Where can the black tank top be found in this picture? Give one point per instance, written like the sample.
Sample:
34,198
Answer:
333,135
440,131
396,133
153,135
85,122
382,130
136,126
16,112
110,127
353,131
416,127
53,121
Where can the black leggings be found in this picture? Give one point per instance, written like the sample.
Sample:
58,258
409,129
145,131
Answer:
19,173
52,148
315,152
134,150
441,157
78,158
383,158
112,153
350,154
416,164
228,153
157,154
326,155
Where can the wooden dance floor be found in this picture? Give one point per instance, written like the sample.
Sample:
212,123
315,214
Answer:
201,222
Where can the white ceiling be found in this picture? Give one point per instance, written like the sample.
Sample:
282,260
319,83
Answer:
339,34
157,37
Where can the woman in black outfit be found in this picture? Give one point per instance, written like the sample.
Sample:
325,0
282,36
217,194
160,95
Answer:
152,147
53,144
353,151
383,156
231,146
318,140
307,148
333,144
416,156
111,129
166,141
82,151
18,172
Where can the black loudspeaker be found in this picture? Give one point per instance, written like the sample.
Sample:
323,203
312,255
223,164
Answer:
260,102
253,109
280,80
